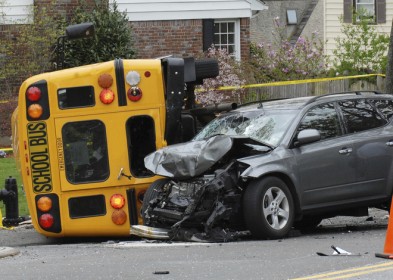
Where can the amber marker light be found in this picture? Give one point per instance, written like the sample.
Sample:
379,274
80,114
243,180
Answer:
107,96
46,221
34,111
117,201
105,80
33,94
44,204
119,217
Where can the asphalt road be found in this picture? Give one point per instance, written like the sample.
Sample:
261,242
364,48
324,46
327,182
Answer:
291,258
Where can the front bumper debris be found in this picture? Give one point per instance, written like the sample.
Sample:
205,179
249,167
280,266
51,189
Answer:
149,232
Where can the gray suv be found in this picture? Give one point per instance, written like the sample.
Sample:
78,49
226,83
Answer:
271,166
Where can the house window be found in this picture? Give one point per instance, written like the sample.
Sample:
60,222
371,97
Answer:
373,10
227,36
365,9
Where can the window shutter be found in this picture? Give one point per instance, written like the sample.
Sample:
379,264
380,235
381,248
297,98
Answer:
381,11
208,33
348,11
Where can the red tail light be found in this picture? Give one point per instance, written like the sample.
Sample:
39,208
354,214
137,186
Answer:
33,94
46,221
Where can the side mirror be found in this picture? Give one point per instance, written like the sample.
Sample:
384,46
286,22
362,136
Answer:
79,31
307,136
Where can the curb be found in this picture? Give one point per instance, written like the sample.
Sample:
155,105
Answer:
8,251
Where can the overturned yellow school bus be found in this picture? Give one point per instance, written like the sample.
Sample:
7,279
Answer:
81,135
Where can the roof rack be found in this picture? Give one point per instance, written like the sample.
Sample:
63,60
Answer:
358,92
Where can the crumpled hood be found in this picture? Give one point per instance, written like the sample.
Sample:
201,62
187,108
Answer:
186,160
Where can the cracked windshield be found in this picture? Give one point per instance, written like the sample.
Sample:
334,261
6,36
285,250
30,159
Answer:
266,127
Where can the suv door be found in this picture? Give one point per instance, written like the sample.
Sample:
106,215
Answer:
373,148
326,168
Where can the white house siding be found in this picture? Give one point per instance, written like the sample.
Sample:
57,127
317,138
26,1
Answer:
153,10
15,11
333,10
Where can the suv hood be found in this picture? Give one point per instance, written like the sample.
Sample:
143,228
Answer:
190,159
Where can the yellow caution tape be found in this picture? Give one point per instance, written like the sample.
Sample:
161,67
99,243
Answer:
6,149
295,82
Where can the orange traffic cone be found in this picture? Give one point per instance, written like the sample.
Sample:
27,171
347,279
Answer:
388,249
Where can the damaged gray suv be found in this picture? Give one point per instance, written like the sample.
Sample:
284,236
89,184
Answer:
268,167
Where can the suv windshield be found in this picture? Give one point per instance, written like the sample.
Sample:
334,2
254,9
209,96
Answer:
265,126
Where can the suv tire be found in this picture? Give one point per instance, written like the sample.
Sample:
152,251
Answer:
268,208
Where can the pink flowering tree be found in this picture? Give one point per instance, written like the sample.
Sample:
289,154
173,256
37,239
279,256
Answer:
282,60
229,75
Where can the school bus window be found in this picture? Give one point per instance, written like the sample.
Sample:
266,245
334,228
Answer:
76,97
141,142
85,151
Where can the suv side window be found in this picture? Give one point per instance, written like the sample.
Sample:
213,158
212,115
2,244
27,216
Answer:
360,116
385,106
324,118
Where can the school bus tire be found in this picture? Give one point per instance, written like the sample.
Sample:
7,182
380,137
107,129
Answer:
151,193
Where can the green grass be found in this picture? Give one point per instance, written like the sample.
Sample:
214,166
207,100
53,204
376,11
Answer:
8,168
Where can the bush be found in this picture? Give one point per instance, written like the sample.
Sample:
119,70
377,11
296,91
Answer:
112,37
362,50
281,60
229,75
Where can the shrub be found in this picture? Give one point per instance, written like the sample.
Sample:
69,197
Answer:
362,50
112,37
281,60
229,75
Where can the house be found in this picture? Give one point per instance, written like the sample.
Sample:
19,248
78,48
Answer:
185,28
380,11
170,27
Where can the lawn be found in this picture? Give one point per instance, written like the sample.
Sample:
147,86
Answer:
8,168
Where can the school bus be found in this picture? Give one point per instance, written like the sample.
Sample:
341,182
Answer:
81,135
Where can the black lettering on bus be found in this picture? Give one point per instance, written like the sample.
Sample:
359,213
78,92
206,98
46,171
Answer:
39,157
37,142
36,126
41,180
43,188
40,165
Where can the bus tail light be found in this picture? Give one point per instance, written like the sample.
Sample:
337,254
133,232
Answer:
134,94
107,96
117,201
105,80
48,212
44,204
33,94
46,221
34,111
37,101
119,217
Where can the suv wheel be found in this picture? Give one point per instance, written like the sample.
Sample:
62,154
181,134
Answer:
268,208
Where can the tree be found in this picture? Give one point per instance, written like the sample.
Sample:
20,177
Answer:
112,37
362,50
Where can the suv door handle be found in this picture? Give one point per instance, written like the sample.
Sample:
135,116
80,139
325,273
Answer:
389,143
345,151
